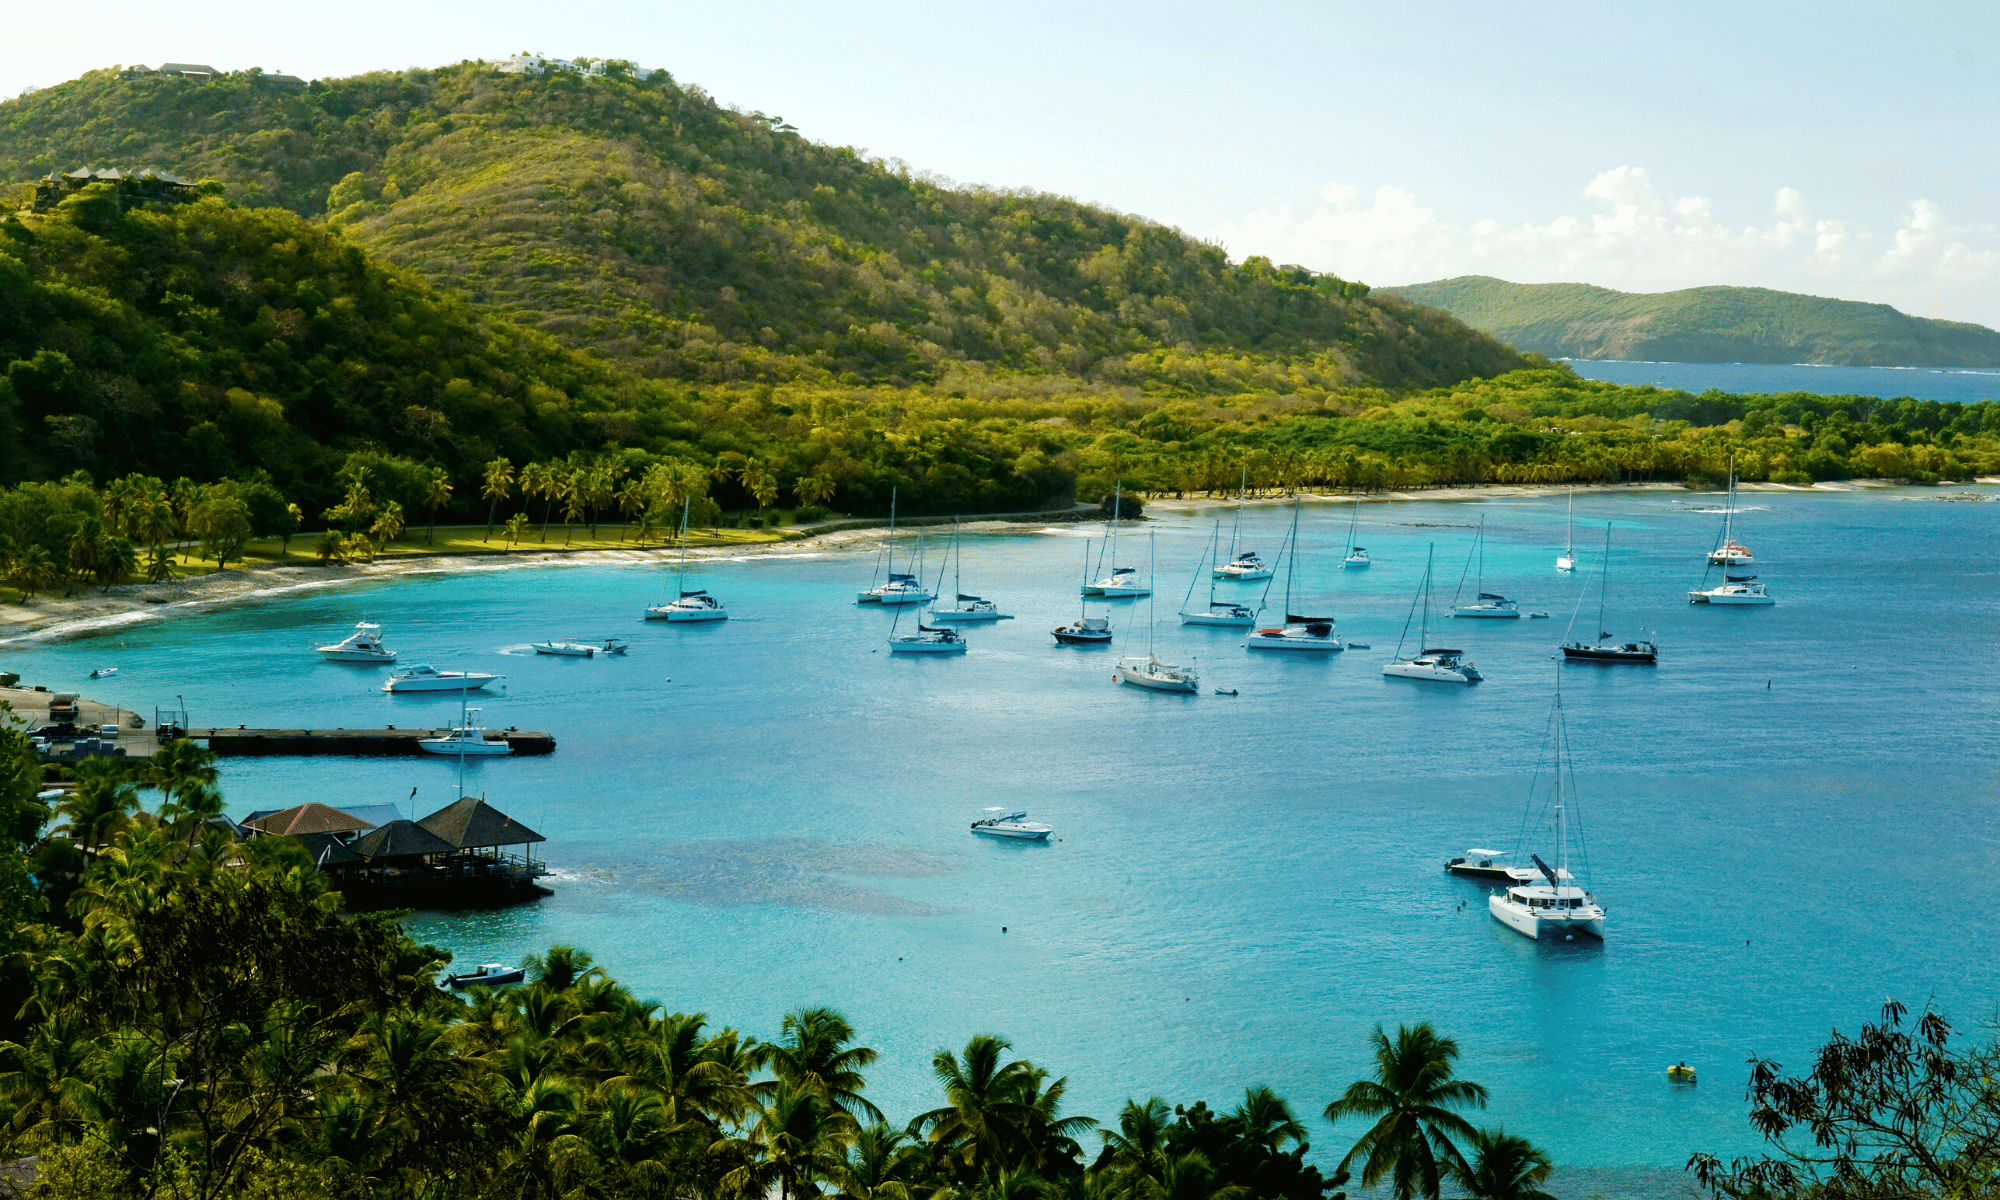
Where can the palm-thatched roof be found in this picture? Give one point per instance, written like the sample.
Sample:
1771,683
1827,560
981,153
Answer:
470,823
400,839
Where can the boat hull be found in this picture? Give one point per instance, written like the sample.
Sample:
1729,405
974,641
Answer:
915,646
1019,833
452,748
1279,641
1610,655
1492,874
1529,925
1355,563
1154,684
1428,673
1565,563
949,614
1490,614
867,598
567,651
472,684
1070,638
1736,601
358,656
1222,620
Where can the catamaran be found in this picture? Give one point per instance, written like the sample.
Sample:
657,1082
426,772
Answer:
1244,566
696,605
1297,633
1357,556
1566,561
965,608
1730,553
1123,582
1219,612
900,588
1558,908
1490,605
1604,649
1735,589
1432,664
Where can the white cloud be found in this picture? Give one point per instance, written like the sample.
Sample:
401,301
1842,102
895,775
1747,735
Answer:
1639,238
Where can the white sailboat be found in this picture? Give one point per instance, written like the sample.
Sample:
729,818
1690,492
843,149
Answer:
1490,605
928,639
1297,633
1243,567
695,605
364,645
1559,908
965,608
1566,561
1357,556
1123,582
1744,590
1435,665
903,588
1730,552
1149,672
1086,630
1225,613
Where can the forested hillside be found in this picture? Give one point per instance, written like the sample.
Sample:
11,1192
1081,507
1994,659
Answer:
1705,324
644,221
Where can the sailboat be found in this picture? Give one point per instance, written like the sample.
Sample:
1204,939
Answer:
1566,561
1123,582
928,639
1731,553
1246,566
1490,604
1086,630
1437,665
1149,672
1219,612
1297,633
689,605
1558,908
965,608
1603,649
1357,556
899,588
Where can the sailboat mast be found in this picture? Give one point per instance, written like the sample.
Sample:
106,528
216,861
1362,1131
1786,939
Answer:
1292,561
1117,506
1729,509
957,562
890,542
1083,593
1237,528
1603,581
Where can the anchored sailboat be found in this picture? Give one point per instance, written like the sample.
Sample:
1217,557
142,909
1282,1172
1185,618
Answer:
1149,672
1219,612
1297,633
1086,630
904,588
1436,665
695,605
1730,553
965,608
1558,908
1604,649
1123,582
1566,561
1357,556
1246,566
1490,604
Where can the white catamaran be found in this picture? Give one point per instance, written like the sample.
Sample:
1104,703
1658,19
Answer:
1244,566
695,605
1123,582
1433,664
1558,908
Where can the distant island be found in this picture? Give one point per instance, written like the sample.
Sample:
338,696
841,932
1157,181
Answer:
1704,324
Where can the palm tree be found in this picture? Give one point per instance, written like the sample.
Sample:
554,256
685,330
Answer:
494,487
1268,1120
120,560
34,570
813,490
100,805
388,523
996,1114
798,1139
437,490
881,1165
1411,1097
813,1053
1138,1146
516,525
1505,1167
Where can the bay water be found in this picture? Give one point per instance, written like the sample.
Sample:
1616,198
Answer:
1789,819
1966,385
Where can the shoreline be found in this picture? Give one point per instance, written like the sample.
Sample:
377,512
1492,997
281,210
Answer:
100,610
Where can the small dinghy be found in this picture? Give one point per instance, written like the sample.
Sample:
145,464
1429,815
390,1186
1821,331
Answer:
104,672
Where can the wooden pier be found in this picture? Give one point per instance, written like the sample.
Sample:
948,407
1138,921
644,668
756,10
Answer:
240,741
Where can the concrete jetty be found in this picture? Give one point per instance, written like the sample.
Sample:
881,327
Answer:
242,741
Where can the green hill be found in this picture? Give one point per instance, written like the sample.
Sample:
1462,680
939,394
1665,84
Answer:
643,221
1705,324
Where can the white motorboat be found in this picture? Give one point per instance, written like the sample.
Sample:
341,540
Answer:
1433,664
1489,604
690,605
929,639
1730,552
1011,823
579,649
467,739
429,679
1735,589
1486,864
1123,582
1223,613
488,975
104,672
1559,908
364,645
1151,673
1242,567
1604,649
1357,556
1566,561
1297,633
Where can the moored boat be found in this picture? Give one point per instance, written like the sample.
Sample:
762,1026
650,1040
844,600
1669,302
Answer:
364,645
1011,823
929,639
467,739
427,678
1486,864
1490,605
488,975
1431,664
1297,633
691,605
1735,589
1604,649
1559,908
1154,675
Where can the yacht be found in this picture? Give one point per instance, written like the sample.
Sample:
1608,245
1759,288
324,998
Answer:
1566,561
1735,589
1490,604
1357,556
929,639
965,608
1223,613
1435,664
1486,864
1011,823
1123,582
1086,630
1244,568
364,645
466,739
1604,649
695,605
901,589
1297,633
429,679
1730,553
1558,908
1151,673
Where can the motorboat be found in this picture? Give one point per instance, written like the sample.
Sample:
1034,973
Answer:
1486,864
565,649
1566,561
1122,584
1557,907
364,645
1297,633
488,975
1437,665
1730,552
1085,631
104,672
929,639
1735,589
1154,675
1011,823
467,739
612,646
1357,556
1222,613
1244,568
1490,605
429,679
689,606
1604,649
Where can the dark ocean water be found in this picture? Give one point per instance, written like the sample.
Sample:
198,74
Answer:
1921,383
1790,818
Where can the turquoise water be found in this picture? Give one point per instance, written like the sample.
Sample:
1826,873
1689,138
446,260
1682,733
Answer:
1790,818
1965,385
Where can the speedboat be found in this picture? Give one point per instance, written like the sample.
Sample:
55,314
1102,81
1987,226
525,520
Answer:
104,672
689,606
1243,568
612,646
1085,631
429,679
1011,823
1222,612
1154,675
566,649
1601,651
1297,633
364,645
1491,604
902,589
1735,589
970,608
1122,583
1436,665
1730,553
1487,866
1358,557
929,639
488,975
466,739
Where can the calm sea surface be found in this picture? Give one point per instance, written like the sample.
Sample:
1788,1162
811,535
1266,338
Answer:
1922,383
1789,819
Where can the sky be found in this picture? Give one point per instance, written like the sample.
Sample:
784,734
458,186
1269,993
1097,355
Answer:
1835,148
